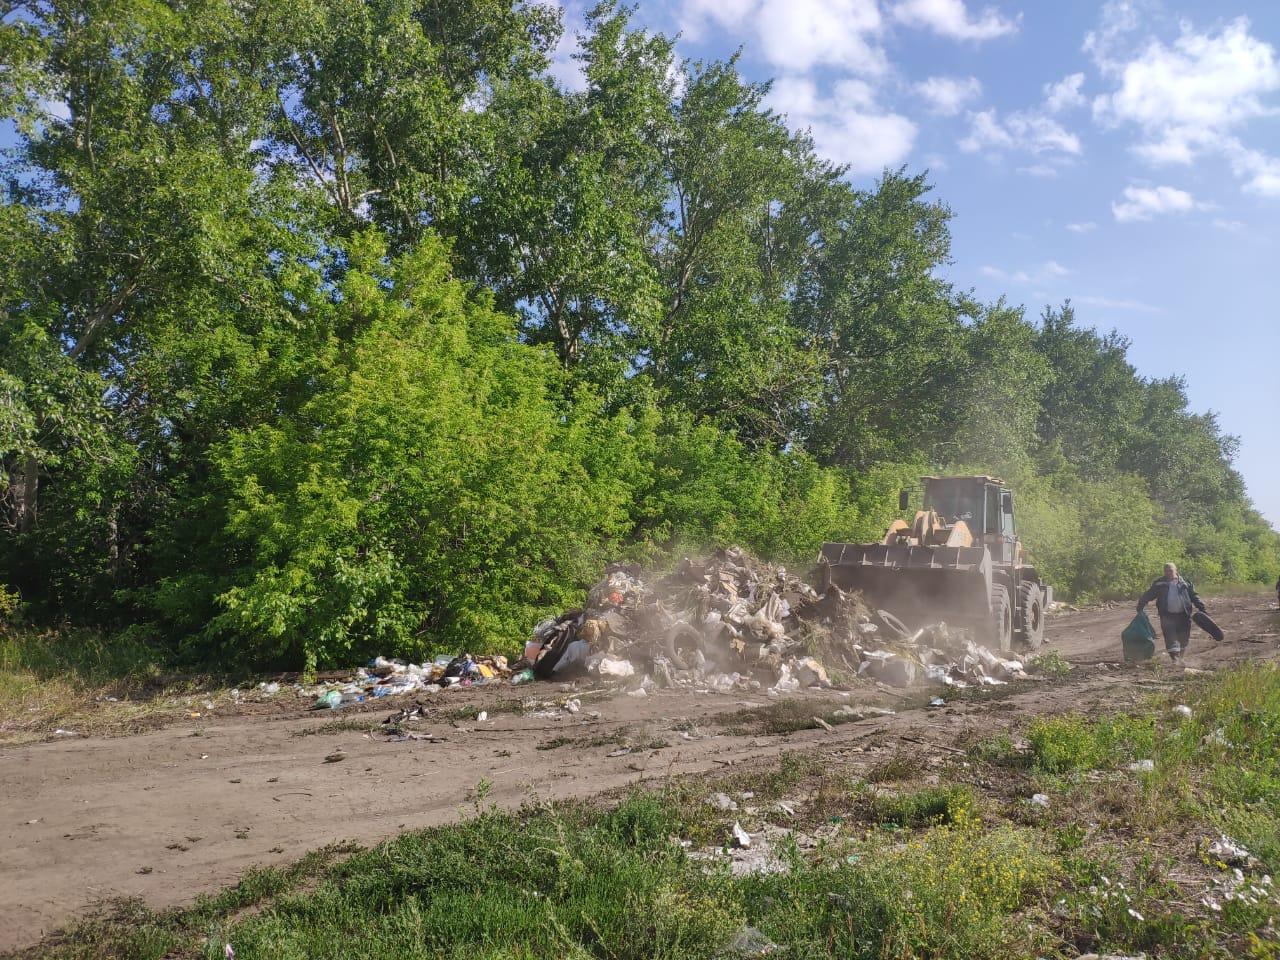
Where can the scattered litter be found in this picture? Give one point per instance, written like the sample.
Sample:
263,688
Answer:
722,801
482,716
65,733
329,700
750,942
1182,710
1040,800
414,712
396,735
741,838
818,721
614,667
572,706
1225,850
937,702
1217,738
786,808
1142,766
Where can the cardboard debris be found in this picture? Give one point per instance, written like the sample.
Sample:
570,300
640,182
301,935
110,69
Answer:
730,622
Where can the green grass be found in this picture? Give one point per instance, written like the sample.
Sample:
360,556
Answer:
929,806
1052,664
963,868
577,882
1062,744
50,678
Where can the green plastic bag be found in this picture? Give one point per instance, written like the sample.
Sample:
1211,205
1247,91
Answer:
1139,638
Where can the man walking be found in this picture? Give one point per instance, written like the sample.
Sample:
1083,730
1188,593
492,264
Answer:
1174,599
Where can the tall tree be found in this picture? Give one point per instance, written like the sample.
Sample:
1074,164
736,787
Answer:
871,299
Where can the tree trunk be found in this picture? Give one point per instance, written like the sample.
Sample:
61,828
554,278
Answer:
24,482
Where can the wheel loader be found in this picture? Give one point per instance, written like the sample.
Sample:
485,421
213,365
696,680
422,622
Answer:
960,561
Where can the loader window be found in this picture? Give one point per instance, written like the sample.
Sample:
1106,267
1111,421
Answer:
959,500
993,510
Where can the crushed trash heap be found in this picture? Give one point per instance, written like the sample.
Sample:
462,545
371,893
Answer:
730,621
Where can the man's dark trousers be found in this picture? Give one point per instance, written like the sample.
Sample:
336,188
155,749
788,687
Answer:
1176,629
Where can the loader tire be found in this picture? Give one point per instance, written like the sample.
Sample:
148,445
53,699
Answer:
1031,611
1000,636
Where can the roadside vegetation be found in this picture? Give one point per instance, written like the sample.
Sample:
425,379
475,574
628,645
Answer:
317,347
945,856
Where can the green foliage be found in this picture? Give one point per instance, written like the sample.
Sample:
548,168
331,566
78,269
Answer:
437,486
1070,743
927,807
328,328
1052,664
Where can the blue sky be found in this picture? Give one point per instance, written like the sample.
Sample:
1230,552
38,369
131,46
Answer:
1123,154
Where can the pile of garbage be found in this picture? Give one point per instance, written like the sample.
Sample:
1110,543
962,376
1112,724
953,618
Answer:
383,677
731,622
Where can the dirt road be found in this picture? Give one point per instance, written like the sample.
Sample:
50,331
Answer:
171,813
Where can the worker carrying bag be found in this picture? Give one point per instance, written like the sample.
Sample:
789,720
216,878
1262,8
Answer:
1139,638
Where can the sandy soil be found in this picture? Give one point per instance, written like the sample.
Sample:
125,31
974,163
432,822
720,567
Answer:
170,813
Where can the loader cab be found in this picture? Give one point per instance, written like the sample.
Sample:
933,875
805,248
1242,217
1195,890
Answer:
985,504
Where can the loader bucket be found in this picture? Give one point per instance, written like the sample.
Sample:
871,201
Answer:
919,585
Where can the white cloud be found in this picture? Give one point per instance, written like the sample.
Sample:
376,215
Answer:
1065,94
1117,21
947,95
798,35
985,132
1231,226
1035,130
1193,97
1042,274
1026,130
950,18
1260,171
1112,303
1085,227
1146,203
848,126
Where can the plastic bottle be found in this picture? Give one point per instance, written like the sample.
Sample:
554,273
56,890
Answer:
524,676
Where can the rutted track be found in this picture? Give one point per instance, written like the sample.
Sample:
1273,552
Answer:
174,812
